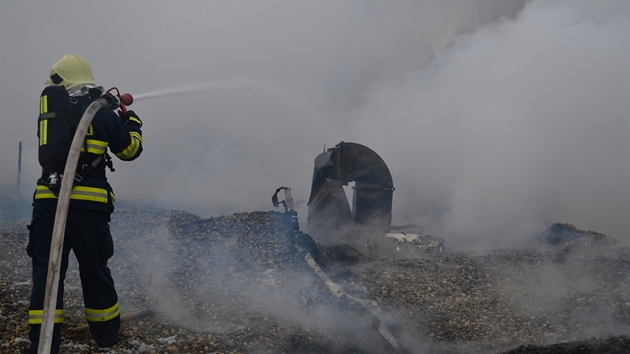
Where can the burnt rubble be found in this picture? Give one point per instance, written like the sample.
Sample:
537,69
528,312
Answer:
251,283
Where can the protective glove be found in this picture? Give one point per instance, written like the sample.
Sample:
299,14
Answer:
123,116
131,118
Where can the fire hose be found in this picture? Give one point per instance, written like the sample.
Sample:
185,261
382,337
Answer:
61,213
367,309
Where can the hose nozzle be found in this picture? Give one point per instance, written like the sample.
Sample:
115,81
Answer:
126,99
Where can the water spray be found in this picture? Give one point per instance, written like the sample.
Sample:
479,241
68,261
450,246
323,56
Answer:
226,85
180,90
266,87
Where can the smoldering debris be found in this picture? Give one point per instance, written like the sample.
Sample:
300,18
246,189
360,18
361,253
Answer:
613,345
239,284
405,245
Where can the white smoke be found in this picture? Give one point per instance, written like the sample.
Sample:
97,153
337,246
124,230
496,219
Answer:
494,117
517,125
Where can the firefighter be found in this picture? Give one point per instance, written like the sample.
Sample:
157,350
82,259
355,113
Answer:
91,203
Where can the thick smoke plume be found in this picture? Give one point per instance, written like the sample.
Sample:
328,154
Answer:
495,118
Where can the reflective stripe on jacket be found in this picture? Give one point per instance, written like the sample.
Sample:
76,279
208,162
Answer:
92,194
107,131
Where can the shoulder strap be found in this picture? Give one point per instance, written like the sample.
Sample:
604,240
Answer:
52,115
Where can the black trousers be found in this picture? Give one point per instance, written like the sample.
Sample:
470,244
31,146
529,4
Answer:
87,234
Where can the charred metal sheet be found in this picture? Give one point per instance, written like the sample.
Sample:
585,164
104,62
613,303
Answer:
329,212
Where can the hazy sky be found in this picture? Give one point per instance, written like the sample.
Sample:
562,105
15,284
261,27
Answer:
496,118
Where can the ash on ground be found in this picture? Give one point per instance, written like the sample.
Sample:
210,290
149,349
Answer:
244,284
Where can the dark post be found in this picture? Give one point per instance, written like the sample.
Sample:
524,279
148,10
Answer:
19,168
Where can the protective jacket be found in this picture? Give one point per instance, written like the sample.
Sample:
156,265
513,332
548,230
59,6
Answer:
107,131
87,228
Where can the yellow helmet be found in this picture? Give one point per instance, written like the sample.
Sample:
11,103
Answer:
70,71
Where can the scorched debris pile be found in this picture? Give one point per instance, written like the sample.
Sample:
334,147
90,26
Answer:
239,284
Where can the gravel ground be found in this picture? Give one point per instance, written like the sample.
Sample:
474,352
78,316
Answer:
243,284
